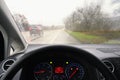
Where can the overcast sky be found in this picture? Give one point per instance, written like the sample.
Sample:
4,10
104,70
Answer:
52,12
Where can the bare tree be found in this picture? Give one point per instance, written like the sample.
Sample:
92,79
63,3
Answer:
89,18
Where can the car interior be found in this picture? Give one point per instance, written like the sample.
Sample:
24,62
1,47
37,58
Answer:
53,62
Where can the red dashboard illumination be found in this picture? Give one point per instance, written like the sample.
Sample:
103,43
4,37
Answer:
59,70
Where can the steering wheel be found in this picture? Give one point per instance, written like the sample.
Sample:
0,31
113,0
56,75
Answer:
94,61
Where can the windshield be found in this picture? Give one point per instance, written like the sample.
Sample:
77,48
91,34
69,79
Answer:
67,21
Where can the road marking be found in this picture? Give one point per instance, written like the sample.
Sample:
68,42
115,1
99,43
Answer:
53,39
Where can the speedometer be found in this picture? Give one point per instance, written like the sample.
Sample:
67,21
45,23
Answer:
74,71
43,71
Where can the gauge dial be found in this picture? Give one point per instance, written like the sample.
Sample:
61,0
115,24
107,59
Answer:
74,71
43,71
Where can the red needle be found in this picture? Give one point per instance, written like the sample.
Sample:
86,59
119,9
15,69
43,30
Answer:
72,74
39,72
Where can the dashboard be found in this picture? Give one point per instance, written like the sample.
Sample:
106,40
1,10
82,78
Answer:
59,66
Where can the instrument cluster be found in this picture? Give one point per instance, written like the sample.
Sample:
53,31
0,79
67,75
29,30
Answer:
55,71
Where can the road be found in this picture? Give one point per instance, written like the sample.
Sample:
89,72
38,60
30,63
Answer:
55,37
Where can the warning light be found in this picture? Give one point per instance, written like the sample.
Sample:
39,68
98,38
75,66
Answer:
51,62
77,68
67,62
59,70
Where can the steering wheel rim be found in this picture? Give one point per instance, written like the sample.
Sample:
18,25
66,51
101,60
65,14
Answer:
87,55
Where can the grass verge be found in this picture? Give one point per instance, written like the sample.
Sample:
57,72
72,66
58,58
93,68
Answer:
88,38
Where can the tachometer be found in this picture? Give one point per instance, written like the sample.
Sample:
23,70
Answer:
74,71
43,71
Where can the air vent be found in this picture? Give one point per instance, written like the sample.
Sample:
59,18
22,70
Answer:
1,75
7,64
109,65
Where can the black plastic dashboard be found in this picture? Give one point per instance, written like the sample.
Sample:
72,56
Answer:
60,65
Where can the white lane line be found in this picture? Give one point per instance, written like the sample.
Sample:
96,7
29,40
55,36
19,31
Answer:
53,39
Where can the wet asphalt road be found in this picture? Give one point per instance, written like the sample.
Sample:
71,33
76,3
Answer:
55,37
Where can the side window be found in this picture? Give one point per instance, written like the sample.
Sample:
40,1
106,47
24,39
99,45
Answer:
11,51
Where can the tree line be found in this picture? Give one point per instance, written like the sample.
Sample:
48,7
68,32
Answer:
89,18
